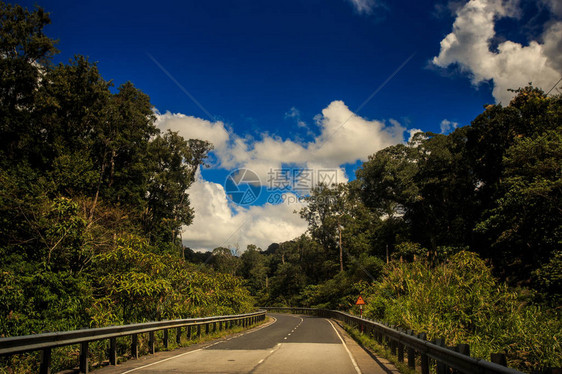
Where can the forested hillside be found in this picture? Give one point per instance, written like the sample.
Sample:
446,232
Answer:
92,197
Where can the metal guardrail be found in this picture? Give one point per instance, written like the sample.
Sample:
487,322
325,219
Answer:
446,358
47,341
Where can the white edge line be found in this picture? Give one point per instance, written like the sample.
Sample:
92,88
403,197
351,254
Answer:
345,346
159,362
197,350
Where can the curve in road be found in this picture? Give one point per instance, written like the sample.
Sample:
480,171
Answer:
292,344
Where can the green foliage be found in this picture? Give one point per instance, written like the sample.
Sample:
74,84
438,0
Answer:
92,199
338,293
528,214
254,268
493,187
142,286
548,280
461,301
224,260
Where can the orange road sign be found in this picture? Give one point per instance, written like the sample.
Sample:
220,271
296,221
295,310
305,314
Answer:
360,301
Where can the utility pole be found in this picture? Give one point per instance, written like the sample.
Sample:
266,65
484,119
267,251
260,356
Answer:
387,254
341,251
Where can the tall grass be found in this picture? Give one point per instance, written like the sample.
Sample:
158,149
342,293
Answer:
461,301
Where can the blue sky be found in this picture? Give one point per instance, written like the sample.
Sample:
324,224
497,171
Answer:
286,84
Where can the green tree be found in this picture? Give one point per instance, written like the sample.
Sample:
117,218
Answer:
174,162
254,268
225,260
526,223
24,51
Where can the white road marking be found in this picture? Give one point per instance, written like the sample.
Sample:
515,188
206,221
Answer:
197,350
345,346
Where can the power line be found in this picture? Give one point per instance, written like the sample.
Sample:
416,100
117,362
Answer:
554,86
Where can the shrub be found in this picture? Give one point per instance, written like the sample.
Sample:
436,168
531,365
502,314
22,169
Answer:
461,301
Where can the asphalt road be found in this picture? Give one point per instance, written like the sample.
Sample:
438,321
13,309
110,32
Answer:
291,344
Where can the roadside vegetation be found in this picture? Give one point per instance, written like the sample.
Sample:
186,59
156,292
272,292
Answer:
92,199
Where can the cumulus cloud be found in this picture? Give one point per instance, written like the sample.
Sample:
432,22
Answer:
447,126
343,138
194,128
513,65
216,224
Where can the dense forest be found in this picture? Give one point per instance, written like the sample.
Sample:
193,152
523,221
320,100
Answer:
458,235
92,198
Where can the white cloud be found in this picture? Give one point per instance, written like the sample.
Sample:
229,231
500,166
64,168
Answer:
365,6
343,138
513,65
447,126
412,133
194,128
215,224
295,114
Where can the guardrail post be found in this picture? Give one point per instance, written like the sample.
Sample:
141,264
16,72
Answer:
165,338
151,343
441,367
113,351
462,349
188,332
206,329
198,331
84,357
220,325
411,353
135,346
424,360
178,335
45,366
214,327
499,358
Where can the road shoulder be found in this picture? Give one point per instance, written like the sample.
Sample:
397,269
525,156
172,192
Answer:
368,361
